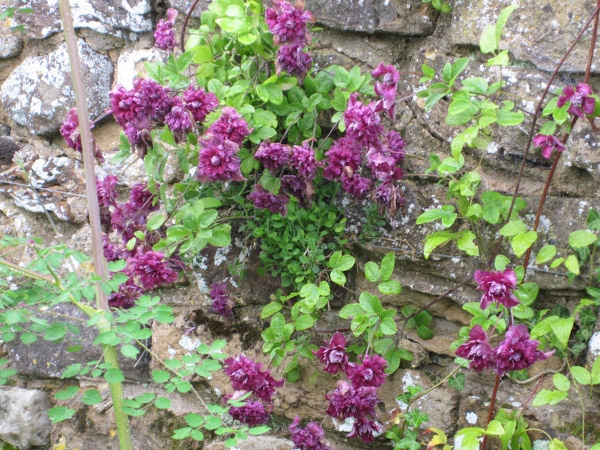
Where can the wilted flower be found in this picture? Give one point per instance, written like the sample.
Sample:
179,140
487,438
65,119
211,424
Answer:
287,22
217,160
333,355
308,438
365,429
517,351
293,60
580,98
246,375
152,270
477,349
388,196
498,287
230,126
221,301
387,87
265,200
164,35
199,102
370,371
273,155
548,144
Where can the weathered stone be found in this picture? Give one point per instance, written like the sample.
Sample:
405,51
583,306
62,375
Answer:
538,33
405,18
131,64
10,46
184,6
584,150
24,419
8,148
256,443
38,93
44,359
116,18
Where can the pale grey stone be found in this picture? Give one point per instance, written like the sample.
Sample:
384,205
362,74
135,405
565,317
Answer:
24,419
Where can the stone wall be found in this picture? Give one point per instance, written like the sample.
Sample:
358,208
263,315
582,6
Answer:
115,39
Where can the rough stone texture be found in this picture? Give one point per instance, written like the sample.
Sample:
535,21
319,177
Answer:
8,148
38,94
44,359
538,32
116,18
184,6
404,18
256,443
10,46
130,64
24,420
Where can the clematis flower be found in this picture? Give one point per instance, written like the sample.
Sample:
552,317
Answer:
179,120
365,429
333,355
498,287
303,160
140,199
230,125
370,371
356,185
246,375
548,144
273,155
217,160
293,60
518,351
477,349
164,35
342,157
221,301
308,438
387,87
107,190
288,23
363,123
252,413
580,98
199,102
297,186
265,200
69,130
152,270
126,296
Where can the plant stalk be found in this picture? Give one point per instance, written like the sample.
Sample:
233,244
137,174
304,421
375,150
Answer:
491,410
110,352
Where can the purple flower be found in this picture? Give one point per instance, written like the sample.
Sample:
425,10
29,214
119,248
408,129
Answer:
342,157
395,145
387,87
252,413
199,102
179,120
164,35
265,200
548,144
370,372
124,105
217,160
126,296
140,199
308,438
517,351
388,196
288,23
70,130
298,187
333,355
152,270
477,349
363,123
221,301
303,160
498,287
580,98
383,166
356,185
365,429
154,98
231,125
246,375
293,60
107,190
273,155
112,252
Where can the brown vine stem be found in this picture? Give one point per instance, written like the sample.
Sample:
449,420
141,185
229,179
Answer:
491,410
185,24
110,352
594,16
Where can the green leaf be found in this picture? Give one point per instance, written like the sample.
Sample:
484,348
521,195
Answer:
193,420
527,293
508,118
582,238
91,397
28,338
562,330
457,381
546,253
160,376
350,310
581,375
501,262
387,266
476,85
181,433
114,376
596,371
156,221
304,321
338,277
390,287
522,241
162,403
130,351
220,238
548,397
372,272
256,431
593,219
66,393
561,382
370,303
434,240
513,227
60,413
388,326
488,42
270,309
572,264
502,19
466,243
445,213
494,428
501,59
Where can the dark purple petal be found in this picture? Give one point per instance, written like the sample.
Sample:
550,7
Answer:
498,287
